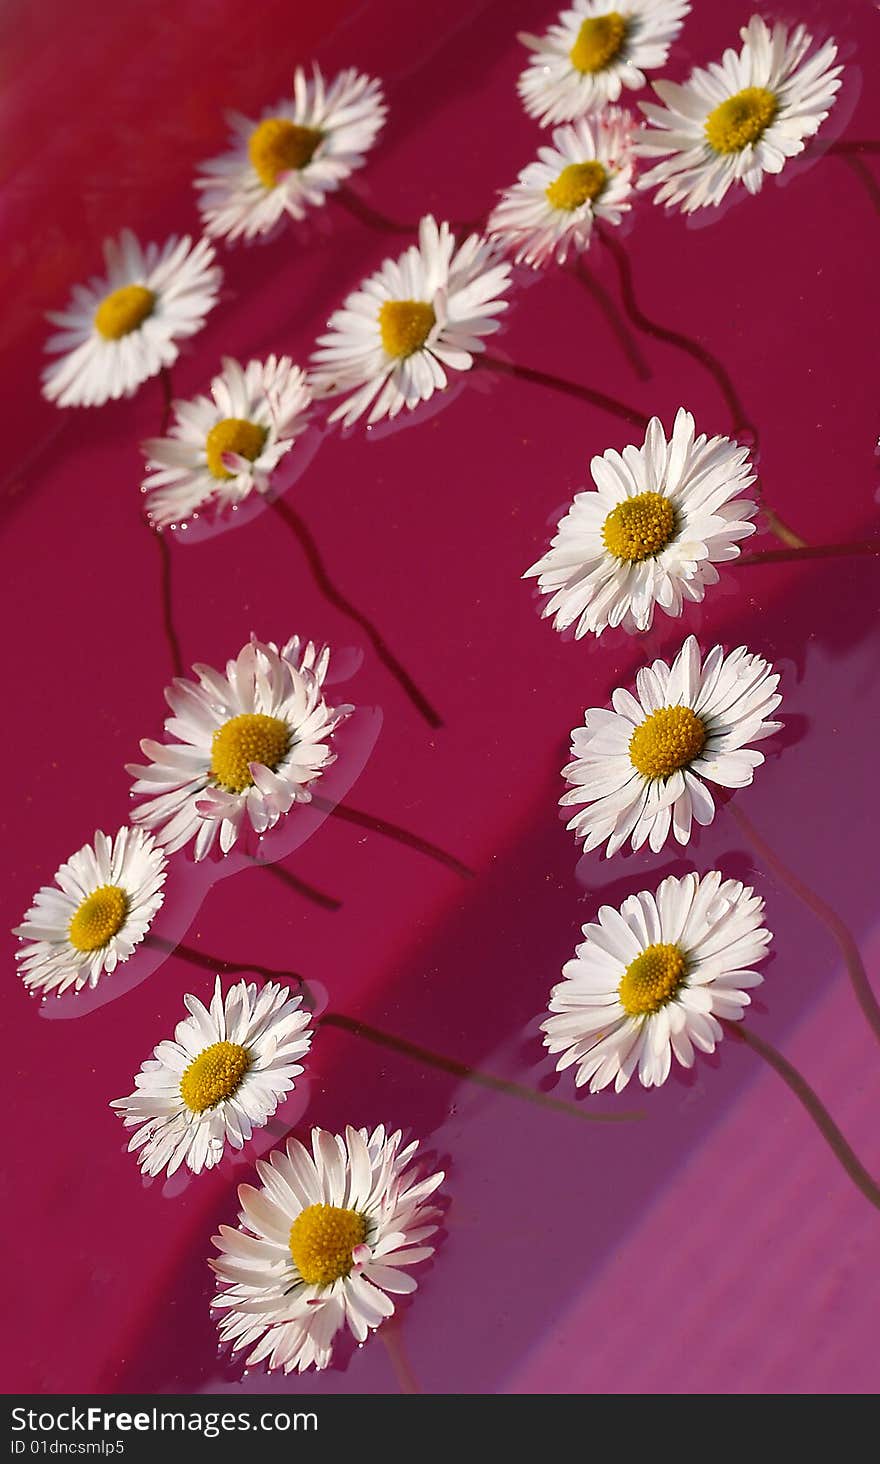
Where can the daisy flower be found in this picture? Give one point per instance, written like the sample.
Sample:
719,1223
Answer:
227,445
642,769
297,153
101,906
393,340
592,53
586,175
248,745
322,1244
660,519
738,119
224,1075
121,329
652,978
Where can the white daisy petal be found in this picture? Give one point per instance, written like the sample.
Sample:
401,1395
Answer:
241,1060
386,348
252,742
593,52
736,121
549,212
662,996
321,1246
223,447
106,899
660,518
124,328
639,772
288,161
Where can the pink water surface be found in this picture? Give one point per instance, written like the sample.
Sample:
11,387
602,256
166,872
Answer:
711,1244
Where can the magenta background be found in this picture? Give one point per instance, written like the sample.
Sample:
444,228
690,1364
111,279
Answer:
716,1246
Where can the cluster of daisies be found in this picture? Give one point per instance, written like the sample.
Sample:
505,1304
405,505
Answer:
327,1239
245,746
652,978
396,339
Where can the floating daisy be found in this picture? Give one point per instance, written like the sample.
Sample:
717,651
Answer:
740,118
225,446
661,518
224,1075
592,53
298,152
423,314
324,1243
248,746
642,769
651,980
586,175
120,330
101,906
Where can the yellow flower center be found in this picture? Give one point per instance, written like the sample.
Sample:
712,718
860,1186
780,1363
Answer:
250,738
651,980
278,146
322,1239
100,916
576,184
405,325
123,311
600,41
214,1075
233,434
639,527
667,740
741,120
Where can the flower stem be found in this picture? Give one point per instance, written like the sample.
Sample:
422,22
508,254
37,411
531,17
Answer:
861,170
567,388
390,1333
301,886
801,1089
470,1074
693,348
393,831
307,543
810,551
206,962
168,604
375,219
366,214
171,635
707,360
849,950
606,305
776,525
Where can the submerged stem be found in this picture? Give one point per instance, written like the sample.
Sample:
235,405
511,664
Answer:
814,1106
391,1334
366,214
206,962
861,170
301,886
858,976
566,388
470,1074
710,363
168,603
606,305
810,551
393,831
308,544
